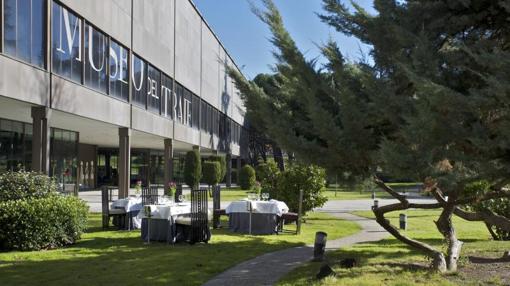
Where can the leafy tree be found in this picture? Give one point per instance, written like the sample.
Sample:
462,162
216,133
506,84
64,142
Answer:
267,174
211,173
247,177
432,107
192,169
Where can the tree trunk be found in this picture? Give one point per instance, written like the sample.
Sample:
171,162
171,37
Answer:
278,158
445,226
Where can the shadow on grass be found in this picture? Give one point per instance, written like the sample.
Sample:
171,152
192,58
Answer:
128,261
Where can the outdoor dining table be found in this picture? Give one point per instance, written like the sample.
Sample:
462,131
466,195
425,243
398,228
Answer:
255,217
159,224
132,205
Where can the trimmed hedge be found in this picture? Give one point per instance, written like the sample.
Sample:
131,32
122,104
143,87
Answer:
193,169
223,165
41,223
211,173
247,177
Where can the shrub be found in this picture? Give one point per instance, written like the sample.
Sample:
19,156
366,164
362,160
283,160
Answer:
192,169
25,185
497,206
41,223
211,173
309,178
34,216
223,165
247,177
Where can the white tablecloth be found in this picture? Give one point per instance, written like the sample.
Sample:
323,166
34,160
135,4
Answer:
166,211
264,207
129,204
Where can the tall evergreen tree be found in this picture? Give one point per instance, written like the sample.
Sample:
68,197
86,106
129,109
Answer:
434,106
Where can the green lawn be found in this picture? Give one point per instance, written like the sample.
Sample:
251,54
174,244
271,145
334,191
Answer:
387,262
121,258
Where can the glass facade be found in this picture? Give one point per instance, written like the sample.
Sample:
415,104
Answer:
24,30
119,71
166,96
66,30
64,156
15,145
139,96
96,48
153,89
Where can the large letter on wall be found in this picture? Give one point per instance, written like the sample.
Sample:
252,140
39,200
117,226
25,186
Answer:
70,36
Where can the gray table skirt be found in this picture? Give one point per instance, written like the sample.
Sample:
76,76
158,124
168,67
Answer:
163,230
260,223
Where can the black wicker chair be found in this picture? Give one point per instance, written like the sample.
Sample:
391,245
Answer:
150,195
198,222
107,212
288,217
178,192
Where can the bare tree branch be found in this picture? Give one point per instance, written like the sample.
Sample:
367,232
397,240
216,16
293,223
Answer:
488,217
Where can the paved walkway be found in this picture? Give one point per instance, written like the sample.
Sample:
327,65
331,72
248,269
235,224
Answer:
267,269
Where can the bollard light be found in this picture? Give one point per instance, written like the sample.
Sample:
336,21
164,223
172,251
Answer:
403,221
376,204
373,195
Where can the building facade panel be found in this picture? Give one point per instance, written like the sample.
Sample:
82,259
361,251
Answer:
23,82
111,16
72,98
151,123
153,32
210,67
188,28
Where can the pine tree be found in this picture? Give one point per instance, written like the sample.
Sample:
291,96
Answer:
434,106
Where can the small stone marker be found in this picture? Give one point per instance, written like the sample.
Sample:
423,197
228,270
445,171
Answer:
320,246
403,221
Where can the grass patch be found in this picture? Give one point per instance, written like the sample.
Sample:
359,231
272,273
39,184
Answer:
121,258
389,262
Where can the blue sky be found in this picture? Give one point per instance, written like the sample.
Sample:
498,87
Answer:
246,37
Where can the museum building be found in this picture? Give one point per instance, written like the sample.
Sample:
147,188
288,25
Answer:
112,92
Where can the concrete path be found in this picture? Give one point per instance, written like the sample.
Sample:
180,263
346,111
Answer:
269,268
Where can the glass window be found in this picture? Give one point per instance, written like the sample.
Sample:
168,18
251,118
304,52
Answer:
153,89
139,88
166,96
96,47
186,103
119,59
66,43
195,111
177,103
24,30
64,157
203,115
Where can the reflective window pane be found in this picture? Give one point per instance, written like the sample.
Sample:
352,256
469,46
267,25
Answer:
119,71
24,30
177,103
153,89
66,42
166,96
139,85
96,52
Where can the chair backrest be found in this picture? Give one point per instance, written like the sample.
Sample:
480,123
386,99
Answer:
178,192
199,219
149,195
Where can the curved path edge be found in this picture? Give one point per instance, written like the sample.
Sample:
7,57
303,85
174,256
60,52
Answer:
269,268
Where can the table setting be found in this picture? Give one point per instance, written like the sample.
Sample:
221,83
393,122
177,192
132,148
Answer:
255,216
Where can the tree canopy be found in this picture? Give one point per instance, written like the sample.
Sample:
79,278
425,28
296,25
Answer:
431,103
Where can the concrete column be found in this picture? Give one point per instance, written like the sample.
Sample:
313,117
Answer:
196,147
169,163
124,164
229,170
41,140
